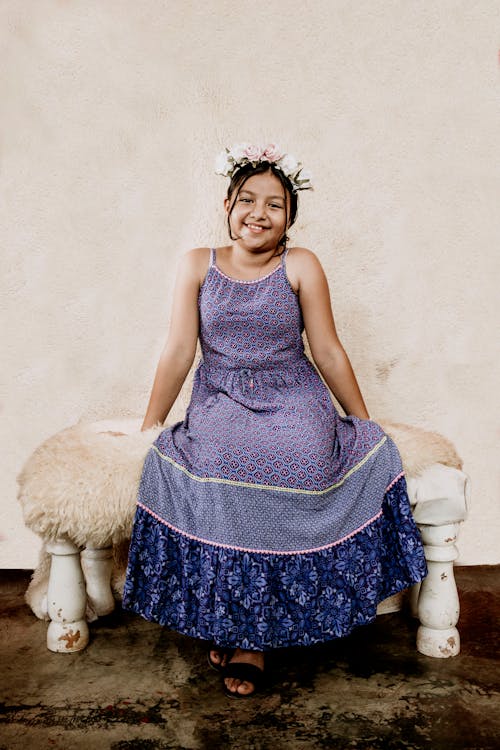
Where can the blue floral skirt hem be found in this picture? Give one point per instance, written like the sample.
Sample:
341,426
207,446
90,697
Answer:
261,601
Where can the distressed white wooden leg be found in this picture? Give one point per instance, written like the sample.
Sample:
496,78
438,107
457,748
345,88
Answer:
66,598
97,564
438,604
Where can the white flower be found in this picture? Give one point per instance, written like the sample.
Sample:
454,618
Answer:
288,164
237,152
304,179
222,164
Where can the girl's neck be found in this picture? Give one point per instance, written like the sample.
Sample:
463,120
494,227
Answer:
239,262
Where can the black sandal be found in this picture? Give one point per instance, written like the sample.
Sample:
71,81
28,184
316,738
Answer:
245,672
225,653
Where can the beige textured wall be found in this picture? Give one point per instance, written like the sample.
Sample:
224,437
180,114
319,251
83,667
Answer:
112,113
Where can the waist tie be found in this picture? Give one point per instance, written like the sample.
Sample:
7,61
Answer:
250,379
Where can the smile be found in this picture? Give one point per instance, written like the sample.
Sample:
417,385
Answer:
255,227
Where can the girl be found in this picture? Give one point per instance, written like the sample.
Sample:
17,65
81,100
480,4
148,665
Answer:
265,519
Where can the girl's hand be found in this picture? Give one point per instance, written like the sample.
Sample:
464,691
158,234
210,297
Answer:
180,348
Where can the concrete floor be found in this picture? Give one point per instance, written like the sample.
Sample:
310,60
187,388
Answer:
140,686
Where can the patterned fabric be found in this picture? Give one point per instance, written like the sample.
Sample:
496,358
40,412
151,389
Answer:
260,601
265,518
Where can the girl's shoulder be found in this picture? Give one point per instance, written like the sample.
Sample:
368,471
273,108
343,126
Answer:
300,263
195,262
196,254
301,255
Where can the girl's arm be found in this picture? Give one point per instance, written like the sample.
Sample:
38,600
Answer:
180,348
327,351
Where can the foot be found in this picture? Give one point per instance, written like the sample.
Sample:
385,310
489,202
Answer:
244,687
218,657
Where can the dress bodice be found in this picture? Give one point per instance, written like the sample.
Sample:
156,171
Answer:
253,324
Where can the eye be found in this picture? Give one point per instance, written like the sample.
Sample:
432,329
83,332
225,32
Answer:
275,205
245,200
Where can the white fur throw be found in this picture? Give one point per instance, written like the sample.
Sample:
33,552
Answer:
83,484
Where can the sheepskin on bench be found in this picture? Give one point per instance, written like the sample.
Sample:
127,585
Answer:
78,492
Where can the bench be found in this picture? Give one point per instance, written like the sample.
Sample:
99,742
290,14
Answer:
78,492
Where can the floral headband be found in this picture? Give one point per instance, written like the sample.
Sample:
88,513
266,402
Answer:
231,159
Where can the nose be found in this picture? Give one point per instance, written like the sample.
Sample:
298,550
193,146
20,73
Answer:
258,210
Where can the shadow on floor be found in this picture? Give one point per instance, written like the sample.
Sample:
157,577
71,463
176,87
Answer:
138,686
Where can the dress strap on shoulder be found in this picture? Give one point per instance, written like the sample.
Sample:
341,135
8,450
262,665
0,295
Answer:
212,256
283,256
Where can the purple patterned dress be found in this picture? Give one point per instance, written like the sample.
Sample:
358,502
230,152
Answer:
265,519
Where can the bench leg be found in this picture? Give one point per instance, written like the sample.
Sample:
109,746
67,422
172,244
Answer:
97,564
66,599
438,605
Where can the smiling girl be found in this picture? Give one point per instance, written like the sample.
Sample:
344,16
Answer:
265,519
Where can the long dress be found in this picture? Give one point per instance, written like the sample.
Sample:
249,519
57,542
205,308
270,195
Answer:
265,519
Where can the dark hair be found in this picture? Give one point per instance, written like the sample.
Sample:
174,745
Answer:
249,170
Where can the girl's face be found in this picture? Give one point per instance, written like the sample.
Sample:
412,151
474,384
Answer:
259,214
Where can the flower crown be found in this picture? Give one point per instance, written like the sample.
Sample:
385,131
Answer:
235,157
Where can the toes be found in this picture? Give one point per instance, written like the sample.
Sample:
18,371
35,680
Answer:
245,688
216,657
237,686
232,684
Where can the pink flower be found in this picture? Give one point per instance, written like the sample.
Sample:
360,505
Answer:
253,153
272,152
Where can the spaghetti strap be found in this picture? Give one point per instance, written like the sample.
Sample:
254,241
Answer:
212,256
